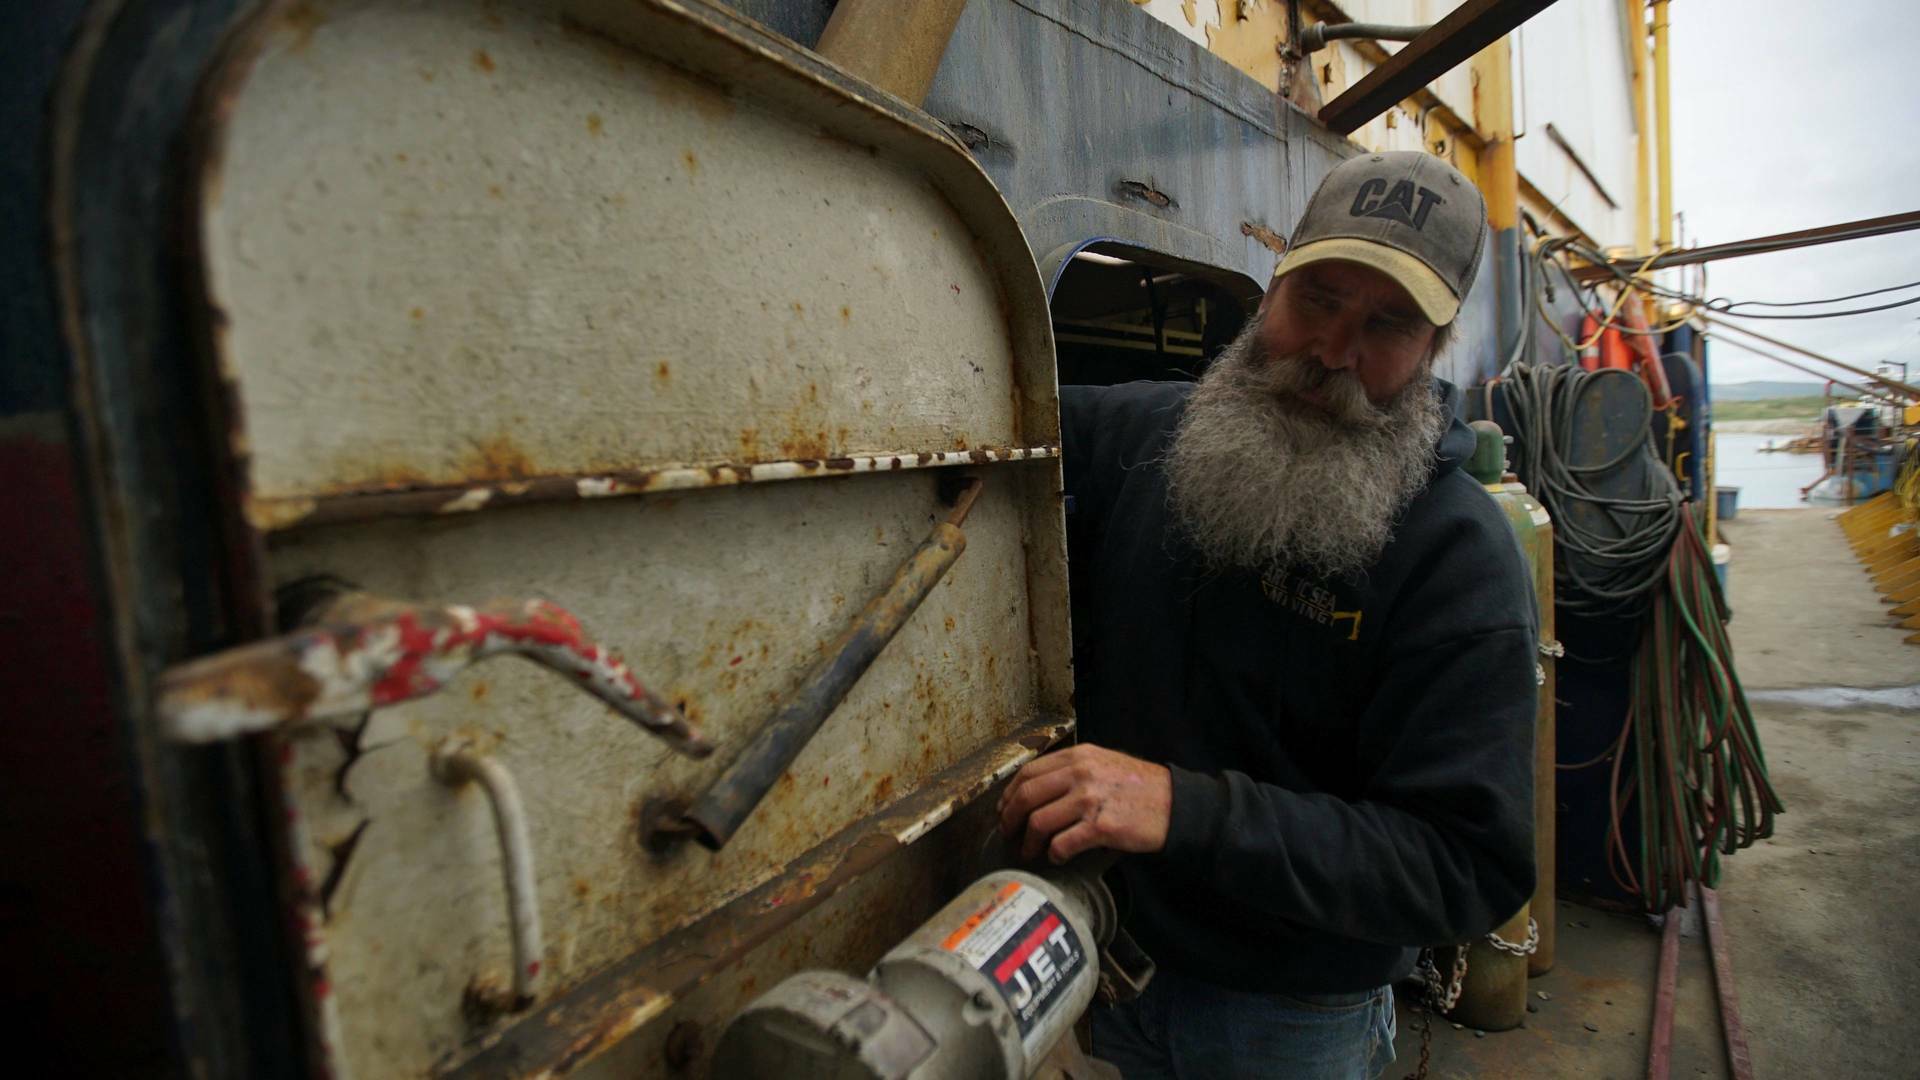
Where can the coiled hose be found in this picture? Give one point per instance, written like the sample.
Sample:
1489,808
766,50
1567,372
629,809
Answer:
1699,779
1610,563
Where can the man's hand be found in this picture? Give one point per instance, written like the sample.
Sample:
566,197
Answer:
1087,797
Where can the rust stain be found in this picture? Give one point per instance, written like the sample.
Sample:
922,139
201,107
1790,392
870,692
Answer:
883,788
799,309
498,458
692,161
663,372
417,313
594,124
949,624
846,313
582,888
805,447
494,190
683,90
400,157
1268,239
301,20
480,690
483,61
426,74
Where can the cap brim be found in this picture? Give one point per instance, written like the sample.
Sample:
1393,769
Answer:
1434,299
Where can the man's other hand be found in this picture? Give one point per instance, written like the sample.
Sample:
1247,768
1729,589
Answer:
1087,797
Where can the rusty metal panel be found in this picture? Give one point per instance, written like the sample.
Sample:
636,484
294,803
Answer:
520,258
495,206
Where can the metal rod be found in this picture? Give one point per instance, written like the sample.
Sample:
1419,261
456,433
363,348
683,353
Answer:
1738,1057
1466,30
1760,245
366,652
1660,1045
454,764
726,804
1315,37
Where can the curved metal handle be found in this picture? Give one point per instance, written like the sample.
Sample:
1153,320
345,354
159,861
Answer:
365,652
454,764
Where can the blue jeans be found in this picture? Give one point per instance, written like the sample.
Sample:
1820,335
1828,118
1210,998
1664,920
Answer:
1186,1029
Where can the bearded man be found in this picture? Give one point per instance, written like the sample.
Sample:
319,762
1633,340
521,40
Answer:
1304,655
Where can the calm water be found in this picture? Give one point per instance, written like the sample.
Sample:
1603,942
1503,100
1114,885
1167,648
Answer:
1766,481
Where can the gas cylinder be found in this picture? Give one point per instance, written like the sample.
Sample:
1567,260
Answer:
1590,339
1494,997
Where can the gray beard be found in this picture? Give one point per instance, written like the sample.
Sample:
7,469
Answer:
1261,480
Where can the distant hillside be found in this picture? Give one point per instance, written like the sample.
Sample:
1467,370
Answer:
1761,390
1794,408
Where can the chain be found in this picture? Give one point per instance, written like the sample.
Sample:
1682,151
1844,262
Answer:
1426,1044
1441,996
1505,946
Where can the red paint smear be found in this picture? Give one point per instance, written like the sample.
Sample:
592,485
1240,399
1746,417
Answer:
533,969
321,988
544,625
735,662
1019,955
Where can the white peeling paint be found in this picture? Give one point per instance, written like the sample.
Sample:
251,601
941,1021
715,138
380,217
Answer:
473,499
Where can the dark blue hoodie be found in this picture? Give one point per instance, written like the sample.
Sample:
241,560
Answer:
1352,759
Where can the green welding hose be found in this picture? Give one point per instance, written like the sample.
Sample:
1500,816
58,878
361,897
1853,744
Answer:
1698,780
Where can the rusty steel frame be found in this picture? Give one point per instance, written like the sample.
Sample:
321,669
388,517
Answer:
573,1027
1466,30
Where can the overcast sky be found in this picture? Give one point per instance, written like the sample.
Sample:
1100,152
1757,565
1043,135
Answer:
1790,116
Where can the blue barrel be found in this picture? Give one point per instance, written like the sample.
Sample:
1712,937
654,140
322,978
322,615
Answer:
1726,502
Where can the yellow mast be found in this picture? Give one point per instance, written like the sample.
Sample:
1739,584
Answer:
1662,121
1635,12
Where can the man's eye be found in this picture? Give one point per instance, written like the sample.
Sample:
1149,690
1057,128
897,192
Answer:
1393,326
1322,301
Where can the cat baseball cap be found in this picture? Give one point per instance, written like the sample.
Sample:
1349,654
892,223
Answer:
1407,214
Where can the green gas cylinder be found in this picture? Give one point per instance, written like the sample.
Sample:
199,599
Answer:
1494,992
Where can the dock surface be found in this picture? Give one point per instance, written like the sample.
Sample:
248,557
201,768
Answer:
1823,920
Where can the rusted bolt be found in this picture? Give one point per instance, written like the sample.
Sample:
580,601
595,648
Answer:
683,1045
663,823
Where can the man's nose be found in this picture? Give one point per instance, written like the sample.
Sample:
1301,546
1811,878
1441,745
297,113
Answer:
1335,346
